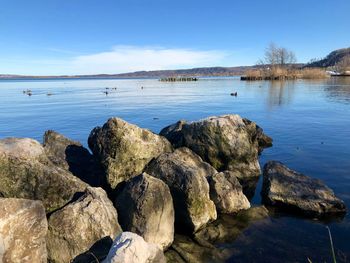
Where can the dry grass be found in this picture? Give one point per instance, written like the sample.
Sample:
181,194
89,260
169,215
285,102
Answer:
278,73
312,73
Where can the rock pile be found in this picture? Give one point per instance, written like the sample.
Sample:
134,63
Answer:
61,204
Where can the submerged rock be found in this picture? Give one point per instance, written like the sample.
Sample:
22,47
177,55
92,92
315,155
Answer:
188,185
72,156
145,207
226,192
131,248
23,228
227,142
227,228
206,245
77,226
125,149
172,256
26,172
283,187
196,251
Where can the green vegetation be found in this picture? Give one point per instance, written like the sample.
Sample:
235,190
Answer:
331,242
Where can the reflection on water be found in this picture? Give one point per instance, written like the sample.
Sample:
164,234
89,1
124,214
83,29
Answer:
308,120
280,92
338,88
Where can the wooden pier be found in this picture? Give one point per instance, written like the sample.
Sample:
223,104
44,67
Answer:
175,79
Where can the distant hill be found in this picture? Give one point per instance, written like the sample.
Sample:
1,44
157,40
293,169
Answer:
331,60
194,72
208,71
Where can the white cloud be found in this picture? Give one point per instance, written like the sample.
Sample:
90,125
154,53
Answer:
132,58
119,59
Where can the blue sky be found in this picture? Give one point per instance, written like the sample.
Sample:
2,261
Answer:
43,37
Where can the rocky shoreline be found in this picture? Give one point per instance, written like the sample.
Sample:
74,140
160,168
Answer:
143,197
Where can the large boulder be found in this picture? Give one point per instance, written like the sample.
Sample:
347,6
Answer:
145,207
288,189
227,194
26,172
72,156
227,142
77,226
132,248
125,149
188,185
23,228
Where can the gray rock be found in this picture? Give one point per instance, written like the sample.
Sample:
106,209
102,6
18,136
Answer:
23,228
226,192
132,248
125,149
26,172
72,156
285,188
188,185
145,207
77,226
227,142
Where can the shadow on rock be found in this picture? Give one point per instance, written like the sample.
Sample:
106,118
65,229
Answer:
72,156
96,253
83,165
249,186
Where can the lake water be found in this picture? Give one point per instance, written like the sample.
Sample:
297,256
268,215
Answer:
308,120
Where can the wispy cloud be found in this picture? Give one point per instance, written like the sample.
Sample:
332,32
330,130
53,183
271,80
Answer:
119,59
133,58
62,51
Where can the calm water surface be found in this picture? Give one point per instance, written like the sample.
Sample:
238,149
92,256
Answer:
308,120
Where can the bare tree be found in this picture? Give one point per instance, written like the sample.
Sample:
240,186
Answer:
271,55
292,59
279,56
